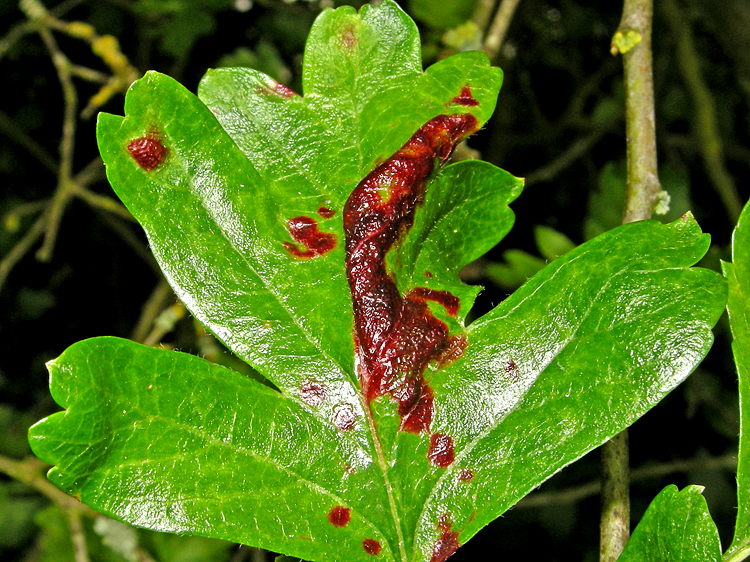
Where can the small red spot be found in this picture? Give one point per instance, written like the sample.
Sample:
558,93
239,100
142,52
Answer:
305,231
466,475
465,98
441,451
511,370
276,88
312,393
339,516
428,274
326,213
349,38
344,417
148,151
371,546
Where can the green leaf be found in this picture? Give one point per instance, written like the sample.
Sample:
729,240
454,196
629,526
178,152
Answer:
738,306
675,528
314,469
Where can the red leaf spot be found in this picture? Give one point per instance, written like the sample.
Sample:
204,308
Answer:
397,336
511,370
312,393
349,38
441,451
276,88
465,98
344,417
428,274
326,213
339,516
445,546
305,231
147,151
371,546
466,475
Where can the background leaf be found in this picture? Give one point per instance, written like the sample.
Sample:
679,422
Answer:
675,528
738,306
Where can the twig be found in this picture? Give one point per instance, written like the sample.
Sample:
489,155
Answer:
633,40
499,28
19,250
575,151
711,146
30,472
614,530
151,310
63,191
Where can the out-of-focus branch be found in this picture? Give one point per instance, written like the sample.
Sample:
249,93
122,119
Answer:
499,28
573,495
18,135
706,128
30,471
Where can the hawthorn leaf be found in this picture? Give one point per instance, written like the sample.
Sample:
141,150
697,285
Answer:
738,307
241,192
675,528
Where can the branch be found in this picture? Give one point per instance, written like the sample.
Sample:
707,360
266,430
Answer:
633,40
499,28
706,128
30,471
573,495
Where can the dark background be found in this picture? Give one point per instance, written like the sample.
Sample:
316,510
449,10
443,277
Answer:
559,123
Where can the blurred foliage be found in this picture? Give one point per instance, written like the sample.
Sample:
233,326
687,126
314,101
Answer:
559,123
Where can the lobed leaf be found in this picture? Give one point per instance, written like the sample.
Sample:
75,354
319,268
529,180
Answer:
313,468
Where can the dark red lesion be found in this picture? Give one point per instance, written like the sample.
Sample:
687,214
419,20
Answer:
305,231
441,452
447,542
466,475
344,417
326,213
397,336
465,98
312,393
339,516
511,370
148,151
371,546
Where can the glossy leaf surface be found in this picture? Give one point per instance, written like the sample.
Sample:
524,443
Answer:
317,470
738,306
675,528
